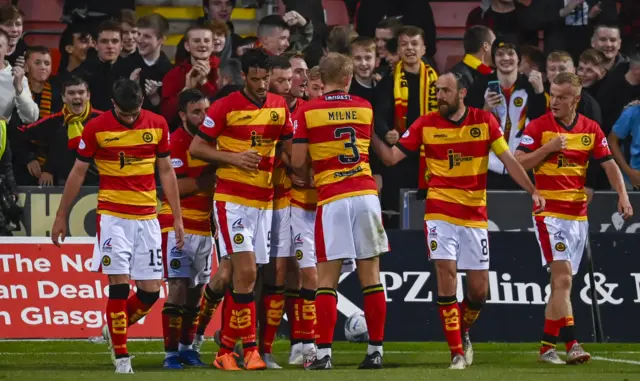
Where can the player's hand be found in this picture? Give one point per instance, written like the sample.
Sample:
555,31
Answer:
392,137
135,75
248,160
45,179
557,144
624,208
492,100
538,201
34,168
18,75
535,79
59,230
298,181
178,228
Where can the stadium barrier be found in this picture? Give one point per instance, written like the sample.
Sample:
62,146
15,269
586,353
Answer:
48,292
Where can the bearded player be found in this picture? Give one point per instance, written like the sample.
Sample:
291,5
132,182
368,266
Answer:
126,145
334,130
558,146
188,269
241,132
457,141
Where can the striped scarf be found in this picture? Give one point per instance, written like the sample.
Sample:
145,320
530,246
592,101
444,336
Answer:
45,100
476,65
428,101
75,125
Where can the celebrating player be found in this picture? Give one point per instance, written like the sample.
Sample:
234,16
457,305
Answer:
189,268
126,145
240,133
457,141
558,146
335,130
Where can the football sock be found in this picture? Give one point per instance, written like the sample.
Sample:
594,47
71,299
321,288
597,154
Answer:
291,298
450,317
470,312
210,302
139,305
117,318
375,312
243,320
171,326
228,335
327,315
305,317
550,335
273,307
189,325
568,332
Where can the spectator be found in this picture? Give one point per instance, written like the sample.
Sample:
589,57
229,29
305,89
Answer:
392,57
245,44
97,69
299,81
229,78
60,133
149,64
277,34
197,72
129,32
561,61
519,100
11,21
339,39
386,30
626,127
363,53
14,88
316,86
37,68
618,91
6,174
74,45
591,70
606,38
630,22
507,18
532,59
401,98
221,42
477,42
220,11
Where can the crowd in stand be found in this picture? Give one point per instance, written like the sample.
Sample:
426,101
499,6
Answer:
506,72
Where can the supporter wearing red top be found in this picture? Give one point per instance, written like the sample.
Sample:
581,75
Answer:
198,72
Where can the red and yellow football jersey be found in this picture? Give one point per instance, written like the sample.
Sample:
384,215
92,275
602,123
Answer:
125,157
457,160
196,208
238,125
338,129
560,177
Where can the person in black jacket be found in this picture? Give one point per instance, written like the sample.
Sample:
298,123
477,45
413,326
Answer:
477,42
149,64
75,42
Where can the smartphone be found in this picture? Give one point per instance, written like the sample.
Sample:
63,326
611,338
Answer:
494,86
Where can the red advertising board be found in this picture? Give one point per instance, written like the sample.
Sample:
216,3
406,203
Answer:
50,293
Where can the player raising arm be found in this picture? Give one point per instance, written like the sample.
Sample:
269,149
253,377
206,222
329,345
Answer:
240,133
558,147
457,142
126,145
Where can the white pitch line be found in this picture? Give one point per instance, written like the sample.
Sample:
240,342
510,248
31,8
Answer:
633,362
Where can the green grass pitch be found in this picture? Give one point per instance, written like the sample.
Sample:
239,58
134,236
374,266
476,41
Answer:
78,360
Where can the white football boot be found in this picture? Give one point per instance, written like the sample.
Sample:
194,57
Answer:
551,357
123,365
468,349
296,356
458,362
106,335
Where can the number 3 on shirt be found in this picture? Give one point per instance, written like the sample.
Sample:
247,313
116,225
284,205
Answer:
354,157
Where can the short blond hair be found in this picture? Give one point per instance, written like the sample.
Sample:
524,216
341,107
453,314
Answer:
314,73
335,67
568,78
366,43
559,56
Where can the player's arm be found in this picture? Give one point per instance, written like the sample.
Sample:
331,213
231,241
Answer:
389,155
169,184
300,145
192,185
410,142
71,190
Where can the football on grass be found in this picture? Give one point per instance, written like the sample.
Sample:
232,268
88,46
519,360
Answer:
355,328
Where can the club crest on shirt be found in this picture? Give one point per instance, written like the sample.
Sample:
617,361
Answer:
147,137
299,254
475,132
585,140
274,116
433,245
561,246
238,238
175,264
518,101
106,261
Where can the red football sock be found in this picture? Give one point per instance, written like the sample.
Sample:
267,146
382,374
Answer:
210,302
189,324
291,298
117,318
327,315
243,320
470,312
567,326
171,326
273,306
550,334
139,305
450,317
375,312
228,334
305,316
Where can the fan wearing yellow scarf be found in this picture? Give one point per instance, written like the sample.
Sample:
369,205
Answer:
60,132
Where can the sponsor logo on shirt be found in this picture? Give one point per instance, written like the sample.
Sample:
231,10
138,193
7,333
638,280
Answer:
208,122
527,140
82,145
176,163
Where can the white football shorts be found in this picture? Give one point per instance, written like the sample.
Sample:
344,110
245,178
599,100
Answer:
193,262
243,228
561,240
466,245
281,233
